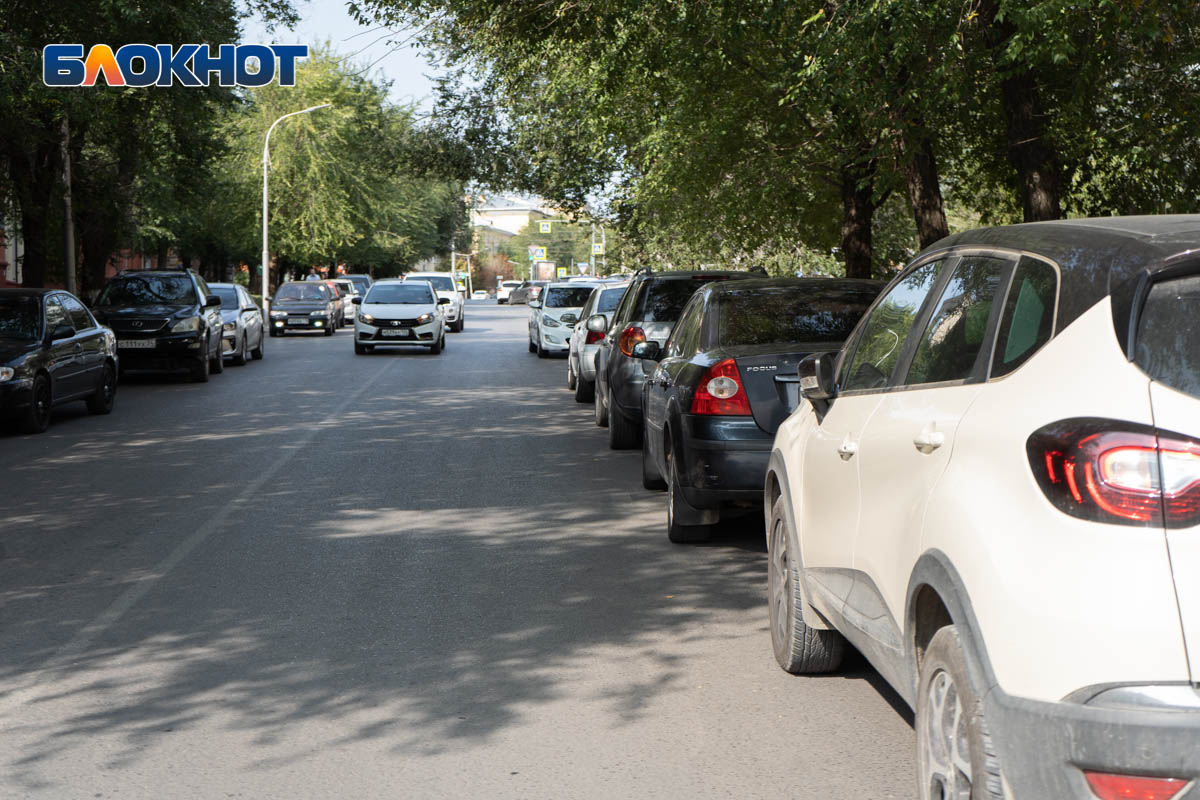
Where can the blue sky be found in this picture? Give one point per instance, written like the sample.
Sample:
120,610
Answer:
320,20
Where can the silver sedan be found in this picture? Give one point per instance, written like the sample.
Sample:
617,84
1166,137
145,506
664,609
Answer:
242,330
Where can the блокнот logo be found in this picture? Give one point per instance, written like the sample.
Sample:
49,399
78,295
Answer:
167,65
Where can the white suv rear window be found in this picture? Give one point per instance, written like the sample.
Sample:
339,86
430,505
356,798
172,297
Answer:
1168,341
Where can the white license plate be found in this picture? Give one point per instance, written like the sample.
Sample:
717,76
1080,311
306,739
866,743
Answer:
136,344
298,322
399,334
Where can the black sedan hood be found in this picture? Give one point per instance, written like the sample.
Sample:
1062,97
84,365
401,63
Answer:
12,349
158,310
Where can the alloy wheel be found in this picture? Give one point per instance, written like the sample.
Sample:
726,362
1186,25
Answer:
779,578
945,752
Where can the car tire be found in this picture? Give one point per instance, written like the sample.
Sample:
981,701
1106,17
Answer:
650,478
572,381
946,697
257,353
799,649
218,361
329,329
275,332
360,349
541,351
242,355
436,347
600,411
201,369
532,346
585,390
41,405
677,532
458,326
623,434
101,402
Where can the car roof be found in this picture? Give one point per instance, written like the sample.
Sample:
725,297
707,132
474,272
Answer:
726,287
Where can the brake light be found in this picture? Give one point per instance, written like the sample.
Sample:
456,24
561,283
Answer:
629,337
1108,786
593,337
1120,472
721,391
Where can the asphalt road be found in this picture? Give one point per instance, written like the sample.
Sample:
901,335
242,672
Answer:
399,575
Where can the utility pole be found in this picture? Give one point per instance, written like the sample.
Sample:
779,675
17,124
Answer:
69,220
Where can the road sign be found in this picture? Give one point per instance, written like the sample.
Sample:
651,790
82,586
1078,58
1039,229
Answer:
562,272
544,227
598,249
537,253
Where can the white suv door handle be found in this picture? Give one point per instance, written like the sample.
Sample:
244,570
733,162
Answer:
847,448
929,439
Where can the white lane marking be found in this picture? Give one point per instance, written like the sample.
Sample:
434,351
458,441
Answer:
75,646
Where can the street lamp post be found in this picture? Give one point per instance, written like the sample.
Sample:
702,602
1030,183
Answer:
266,253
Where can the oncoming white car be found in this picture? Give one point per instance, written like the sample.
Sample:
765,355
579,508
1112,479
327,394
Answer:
394,312
443,283
993,492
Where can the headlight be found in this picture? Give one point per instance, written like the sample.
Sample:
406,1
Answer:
278,315
6,374
367,318
551,322
424,318
189,324
230,326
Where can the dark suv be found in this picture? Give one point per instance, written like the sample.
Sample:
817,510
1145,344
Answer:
164,320
647,312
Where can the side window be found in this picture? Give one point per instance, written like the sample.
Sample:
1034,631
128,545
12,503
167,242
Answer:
953,347
1028,321
81,320
55,314
1168,336
685,337
623,310
883,335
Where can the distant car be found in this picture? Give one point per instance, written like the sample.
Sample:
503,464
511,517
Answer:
243,332
400,312
581,359
479,294
52,351
340,302
349,291
647,312
552,317
504,290
724,382
361,281
527,291
303,306
164,320
446,289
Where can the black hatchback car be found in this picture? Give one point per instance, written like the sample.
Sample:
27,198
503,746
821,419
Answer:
724,382
164,320
647,312
51,352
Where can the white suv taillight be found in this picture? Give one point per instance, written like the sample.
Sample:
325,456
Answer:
1110,471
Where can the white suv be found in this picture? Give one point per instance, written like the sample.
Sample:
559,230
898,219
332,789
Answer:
447,289
994,494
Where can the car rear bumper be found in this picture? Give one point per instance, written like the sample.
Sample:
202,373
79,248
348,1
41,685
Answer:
724,460
1044,747
587,361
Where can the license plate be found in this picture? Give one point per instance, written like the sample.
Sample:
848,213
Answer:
136,344
399,334
297,322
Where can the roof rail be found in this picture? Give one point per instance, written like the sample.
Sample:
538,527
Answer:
759,268
640,270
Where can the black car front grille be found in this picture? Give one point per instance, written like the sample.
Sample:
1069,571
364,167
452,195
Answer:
138,326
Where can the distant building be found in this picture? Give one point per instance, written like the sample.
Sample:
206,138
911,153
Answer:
503,214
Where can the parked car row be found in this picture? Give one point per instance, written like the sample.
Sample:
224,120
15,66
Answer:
984,476
54,350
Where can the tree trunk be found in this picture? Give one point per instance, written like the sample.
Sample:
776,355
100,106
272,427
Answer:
1033,157
925,192
858,210
35,178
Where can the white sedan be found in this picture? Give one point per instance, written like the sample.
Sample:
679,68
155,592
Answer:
402,313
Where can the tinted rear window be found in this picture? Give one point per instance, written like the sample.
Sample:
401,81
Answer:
791,314
663,300
443,283
567,296
1168,341
609,299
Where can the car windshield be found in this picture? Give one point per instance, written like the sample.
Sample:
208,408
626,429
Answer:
1168,339
20,317
308,292
228,295
567,296
609,300
400,293
443,283
147,290
791,314
511,284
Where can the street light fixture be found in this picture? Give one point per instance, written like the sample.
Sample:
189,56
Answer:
266,253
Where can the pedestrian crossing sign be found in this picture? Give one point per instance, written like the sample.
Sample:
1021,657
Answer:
544,227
